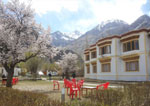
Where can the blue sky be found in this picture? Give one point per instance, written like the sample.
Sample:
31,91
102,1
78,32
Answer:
82,15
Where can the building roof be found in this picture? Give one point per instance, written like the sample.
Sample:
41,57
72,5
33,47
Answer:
117,36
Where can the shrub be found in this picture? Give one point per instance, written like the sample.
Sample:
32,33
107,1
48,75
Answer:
108,97
131,95
11,97
136,95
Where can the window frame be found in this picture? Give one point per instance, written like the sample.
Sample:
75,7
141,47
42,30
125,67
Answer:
87,57
130,62
102,67
95,56
105,50
131,45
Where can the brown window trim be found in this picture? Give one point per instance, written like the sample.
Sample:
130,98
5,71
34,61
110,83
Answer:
130,46
87,57
137,67
130,38
93,54
94,71
104,50
102,66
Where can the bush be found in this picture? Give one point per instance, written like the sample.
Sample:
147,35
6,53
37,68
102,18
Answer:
108,97
131,95
136,95
11,97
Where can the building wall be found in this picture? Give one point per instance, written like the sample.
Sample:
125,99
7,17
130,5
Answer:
134,76
118,71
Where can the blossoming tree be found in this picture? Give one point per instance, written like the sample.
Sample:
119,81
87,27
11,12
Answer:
19,34
68,63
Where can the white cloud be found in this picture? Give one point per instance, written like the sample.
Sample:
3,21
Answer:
43,6
127,10
102,10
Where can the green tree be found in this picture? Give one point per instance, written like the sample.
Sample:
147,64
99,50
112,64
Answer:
32,65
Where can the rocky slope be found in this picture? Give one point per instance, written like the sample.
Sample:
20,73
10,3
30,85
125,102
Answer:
109,28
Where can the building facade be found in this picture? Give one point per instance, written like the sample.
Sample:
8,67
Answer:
120,57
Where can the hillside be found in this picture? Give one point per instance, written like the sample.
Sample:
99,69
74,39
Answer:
109,28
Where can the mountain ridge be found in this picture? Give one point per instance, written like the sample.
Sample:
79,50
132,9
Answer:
63,39
109,29
80,41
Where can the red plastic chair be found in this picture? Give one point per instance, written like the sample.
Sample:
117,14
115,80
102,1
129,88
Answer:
72,89
81,82
69,85
65,83
17,79
105,86
13,81
74,80
79,85
56,83
75,89
4,81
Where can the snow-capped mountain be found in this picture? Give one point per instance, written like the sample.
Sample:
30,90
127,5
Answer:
108,22
108,28
77,41
63,39
75,35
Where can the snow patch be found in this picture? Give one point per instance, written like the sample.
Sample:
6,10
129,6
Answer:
64,37
73,35
103,23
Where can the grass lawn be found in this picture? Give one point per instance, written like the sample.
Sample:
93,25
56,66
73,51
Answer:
45,87
127,96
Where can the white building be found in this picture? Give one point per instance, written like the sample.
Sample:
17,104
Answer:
16,71
124,57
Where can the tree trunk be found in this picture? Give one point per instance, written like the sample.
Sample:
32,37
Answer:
10,73
67,75
34,76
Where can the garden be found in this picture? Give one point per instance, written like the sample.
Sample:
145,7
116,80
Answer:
41,93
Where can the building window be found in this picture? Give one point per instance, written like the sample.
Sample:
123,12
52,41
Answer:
132,45
88,68
132,66
93,54
106,67
87,58
105,50
94,66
